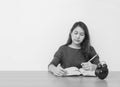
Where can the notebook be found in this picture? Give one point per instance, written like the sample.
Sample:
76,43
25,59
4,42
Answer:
73,71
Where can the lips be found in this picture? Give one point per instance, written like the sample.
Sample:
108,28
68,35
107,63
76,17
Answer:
77,40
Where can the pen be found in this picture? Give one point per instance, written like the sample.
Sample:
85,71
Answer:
92,58
89,60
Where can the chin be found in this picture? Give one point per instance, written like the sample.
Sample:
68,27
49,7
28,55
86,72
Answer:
77,43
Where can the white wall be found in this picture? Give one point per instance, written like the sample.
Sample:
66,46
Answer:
31,31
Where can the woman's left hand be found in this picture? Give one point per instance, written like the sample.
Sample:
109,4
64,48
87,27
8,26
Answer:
88,66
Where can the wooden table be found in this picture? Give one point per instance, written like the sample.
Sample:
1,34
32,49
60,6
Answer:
46,79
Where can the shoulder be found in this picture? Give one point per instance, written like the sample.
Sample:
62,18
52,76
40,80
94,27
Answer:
62,47
60,50
92,50
91,47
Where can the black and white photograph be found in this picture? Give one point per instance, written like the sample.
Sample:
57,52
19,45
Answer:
59,43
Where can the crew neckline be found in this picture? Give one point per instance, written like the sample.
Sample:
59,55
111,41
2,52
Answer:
74,48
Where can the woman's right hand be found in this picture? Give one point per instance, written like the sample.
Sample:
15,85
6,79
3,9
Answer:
89,66
86,66
58,71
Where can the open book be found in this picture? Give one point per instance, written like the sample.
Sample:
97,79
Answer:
73,71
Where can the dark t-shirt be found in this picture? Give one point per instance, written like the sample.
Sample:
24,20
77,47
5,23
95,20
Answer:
69,57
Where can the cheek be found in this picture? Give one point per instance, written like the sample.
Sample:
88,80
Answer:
72,36
82,37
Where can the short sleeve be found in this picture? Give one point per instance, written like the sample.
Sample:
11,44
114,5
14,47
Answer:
57,57
93,53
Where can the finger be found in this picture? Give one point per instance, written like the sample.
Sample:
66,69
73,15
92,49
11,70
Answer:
57,74
84,64
90,64
61,69
63,72
86,68
60,72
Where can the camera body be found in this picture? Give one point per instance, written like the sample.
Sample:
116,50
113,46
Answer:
102,70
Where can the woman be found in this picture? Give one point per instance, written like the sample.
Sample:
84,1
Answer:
76,51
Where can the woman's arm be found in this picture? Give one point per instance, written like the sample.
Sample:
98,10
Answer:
58,71
92,54
93,64
51,67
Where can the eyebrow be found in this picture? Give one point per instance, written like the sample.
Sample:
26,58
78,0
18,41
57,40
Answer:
80,32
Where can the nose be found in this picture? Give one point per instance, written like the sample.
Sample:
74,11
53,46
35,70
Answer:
78,36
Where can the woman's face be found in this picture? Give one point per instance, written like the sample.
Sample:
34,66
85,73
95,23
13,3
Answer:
77,35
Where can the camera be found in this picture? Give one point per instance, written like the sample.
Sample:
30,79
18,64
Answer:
102,70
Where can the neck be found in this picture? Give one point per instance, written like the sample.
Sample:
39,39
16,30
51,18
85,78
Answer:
77,46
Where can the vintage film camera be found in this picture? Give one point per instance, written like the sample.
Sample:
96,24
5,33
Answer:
102,70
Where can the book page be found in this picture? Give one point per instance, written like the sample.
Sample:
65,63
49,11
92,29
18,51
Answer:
87,73
72,71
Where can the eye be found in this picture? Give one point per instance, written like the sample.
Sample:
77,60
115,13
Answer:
75,32
82,34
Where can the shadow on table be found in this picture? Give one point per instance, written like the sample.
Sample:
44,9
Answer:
101,83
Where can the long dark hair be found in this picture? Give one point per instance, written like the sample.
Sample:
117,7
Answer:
85,45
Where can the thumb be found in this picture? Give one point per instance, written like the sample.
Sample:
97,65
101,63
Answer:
60,67
89,63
